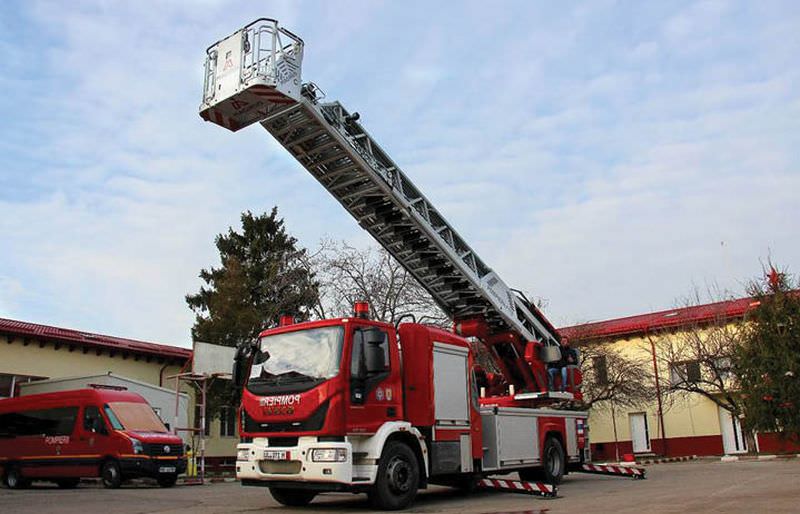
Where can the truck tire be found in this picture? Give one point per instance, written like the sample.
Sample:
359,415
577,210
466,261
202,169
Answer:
14,478
111,475
554,464
292,497
398,478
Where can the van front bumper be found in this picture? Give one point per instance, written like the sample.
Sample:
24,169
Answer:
150,467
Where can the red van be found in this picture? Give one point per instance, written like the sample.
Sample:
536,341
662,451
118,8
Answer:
63,436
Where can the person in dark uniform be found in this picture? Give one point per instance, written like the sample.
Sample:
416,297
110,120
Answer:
568,358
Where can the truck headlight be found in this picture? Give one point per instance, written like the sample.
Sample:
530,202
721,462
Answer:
243,454
137,446
329,455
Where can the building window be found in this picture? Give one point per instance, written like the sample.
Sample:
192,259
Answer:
684,372
600,368
9,384
227,422
198,415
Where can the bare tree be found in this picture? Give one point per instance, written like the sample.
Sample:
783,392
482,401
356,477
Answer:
611,376
698,358
347,275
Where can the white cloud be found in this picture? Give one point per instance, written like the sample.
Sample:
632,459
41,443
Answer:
597,157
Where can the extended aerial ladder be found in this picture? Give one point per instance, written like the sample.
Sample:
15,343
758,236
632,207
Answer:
254,76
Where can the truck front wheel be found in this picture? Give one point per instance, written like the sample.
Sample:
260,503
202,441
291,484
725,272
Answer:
398,478
292,497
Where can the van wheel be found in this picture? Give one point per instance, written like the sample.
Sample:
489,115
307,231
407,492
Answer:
554,464
292,497
111,474
15,480
167,480
68,483
398,478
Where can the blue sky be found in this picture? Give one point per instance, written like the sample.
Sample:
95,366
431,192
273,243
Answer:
607,156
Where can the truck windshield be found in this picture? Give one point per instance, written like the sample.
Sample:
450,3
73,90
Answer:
301,356
137,417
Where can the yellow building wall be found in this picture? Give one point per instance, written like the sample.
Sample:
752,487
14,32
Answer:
688,416
17,358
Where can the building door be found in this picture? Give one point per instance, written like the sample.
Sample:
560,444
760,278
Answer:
640,434
733,440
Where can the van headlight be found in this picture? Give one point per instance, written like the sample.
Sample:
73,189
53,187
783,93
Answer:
243,454
138,447
329,455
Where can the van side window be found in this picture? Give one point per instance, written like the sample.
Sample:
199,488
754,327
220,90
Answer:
44,422
92,421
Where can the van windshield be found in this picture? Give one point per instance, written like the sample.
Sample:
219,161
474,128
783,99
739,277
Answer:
137,417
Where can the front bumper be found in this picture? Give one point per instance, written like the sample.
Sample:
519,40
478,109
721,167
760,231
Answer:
151,467
298,467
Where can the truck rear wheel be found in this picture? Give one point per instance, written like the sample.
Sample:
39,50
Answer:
292,497
554,464
398,478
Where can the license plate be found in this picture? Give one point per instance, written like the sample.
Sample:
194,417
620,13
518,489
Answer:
276,455
166,469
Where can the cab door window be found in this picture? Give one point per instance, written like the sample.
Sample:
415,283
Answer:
93,421
369,361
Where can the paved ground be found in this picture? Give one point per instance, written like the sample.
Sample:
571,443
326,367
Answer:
697,486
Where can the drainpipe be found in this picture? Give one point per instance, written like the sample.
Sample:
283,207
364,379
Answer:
614,424
161,373
658,396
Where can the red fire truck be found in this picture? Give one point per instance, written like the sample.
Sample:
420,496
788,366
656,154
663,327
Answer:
65,436
352,404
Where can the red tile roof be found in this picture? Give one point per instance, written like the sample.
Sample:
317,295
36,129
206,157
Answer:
66,335
673,318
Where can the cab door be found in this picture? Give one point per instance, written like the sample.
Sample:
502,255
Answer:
375,394
92,441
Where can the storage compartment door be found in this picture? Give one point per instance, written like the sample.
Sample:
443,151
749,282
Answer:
450,385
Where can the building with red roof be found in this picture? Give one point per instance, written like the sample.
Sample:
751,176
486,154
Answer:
669,425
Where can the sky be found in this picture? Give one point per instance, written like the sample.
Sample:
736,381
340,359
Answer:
607,156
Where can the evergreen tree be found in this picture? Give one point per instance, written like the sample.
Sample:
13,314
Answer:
262,276
768,362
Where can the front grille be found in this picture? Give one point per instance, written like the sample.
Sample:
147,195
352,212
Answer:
313,422
277,467
282,442
155,449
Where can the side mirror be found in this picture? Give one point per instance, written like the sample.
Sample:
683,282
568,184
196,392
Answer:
375,351
360,361
375,357
239,363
